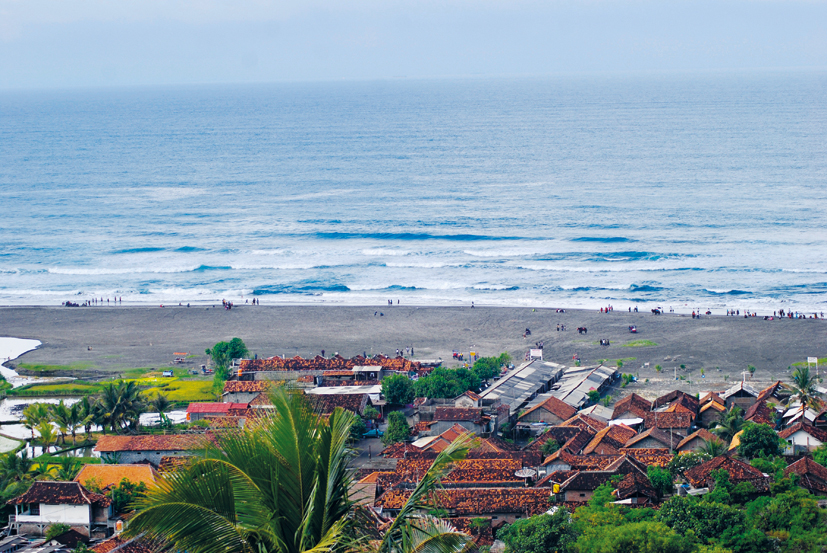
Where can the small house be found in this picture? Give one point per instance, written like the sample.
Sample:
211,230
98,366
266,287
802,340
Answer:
551,411
694,441
472,420
149,448
47,503
803,437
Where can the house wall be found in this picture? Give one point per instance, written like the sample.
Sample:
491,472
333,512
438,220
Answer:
541,415
627,415
578,495
693,445
801,440
652,443
465,401
67,514
240,397
135,457
742,402
441,426
709,416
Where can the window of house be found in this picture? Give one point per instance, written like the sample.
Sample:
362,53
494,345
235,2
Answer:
34,509
582,495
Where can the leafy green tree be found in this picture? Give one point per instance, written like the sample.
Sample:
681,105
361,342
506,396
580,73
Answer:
554,532
358,429
125,494
398,389
446,383
703,519
487,368
54,530
638,537
86,414
398,429
371,413
594,396
793,512
661,479
223,353
720,490
759,440
820,455
61,416
770,465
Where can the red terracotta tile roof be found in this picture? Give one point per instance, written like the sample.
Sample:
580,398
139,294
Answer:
656,434
236,386
561,434
556,477
609,440
811,475
771,391
636,484
632,403
464,471
336,363
714,405
60,493
554,406
816,432
701,475
135,545
478,501
585,422
659,457
471,395
326,403
106,476
701,433
760,413
224,422
152,442
677,396
216,408
458,414
172,462
421,426
675,419
712,396
586,481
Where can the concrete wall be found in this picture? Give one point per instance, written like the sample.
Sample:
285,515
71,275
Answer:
709,416
67,514
652,443
742,402
441,426
240,397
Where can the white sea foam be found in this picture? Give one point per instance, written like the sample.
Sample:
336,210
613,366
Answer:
384,251
119,271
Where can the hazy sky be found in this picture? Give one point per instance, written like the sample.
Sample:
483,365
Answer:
55,43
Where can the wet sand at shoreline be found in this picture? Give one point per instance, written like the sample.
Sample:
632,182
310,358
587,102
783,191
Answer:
126,337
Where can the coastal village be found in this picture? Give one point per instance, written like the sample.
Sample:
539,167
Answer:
544,436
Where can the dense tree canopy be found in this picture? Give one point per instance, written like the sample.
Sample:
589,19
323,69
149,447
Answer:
398,429
553,532
447,383
398,389
759,440
490,367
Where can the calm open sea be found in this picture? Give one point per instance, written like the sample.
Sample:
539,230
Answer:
689,190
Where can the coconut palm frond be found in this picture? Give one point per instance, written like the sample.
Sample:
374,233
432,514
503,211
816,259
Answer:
432,535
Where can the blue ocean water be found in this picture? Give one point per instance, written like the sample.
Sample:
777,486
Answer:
704,190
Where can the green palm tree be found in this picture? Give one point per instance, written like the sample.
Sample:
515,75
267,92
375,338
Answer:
34,414
86,414
47,435
15,468
161,404
68,468
42,471
121,405
731,423
62,418
805,389
278,485
713,448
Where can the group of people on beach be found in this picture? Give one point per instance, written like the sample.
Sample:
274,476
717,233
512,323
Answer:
610,308
92,302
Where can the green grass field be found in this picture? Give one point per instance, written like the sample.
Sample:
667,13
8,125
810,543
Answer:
639,344
79,366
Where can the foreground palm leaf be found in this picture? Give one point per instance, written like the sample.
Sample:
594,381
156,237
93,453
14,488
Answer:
279,485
